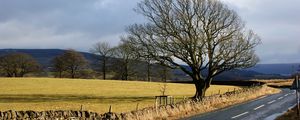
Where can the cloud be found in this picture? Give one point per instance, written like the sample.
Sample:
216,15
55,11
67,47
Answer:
78,24
277,23
106,4
18,35
63,24
245,5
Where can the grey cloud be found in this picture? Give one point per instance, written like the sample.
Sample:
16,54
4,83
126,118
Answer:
95,19
277,22
80,23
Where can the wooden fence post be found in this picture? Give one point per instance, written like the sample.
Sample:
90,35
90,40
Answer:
156,104
174,100
109,109
137,106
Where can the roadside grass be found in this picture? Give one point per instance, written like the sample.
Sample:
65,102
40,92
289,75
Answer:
289,115
41,94
188,108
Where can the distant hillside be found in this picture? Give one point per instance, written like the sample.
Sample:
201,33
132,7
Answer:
282,69
261,71
232,75
44,56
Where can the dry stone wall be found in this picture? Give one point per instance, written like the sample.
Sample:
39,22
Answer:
56,115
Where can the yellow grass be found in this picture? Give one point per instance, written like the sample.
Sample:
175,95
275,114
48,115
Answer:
191,107
94,95
277,82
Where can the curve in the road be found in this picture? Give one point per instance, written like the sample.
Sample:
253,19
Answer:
264,108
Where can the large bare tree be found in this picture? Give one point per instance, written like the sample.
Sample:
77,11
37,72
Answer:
206,35
105,51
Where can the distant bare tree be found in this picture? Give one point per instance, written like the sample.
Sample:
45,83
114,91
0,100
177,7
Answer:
142,54
203,34
59,66
126,56
71,62
164,73
18,64
105,51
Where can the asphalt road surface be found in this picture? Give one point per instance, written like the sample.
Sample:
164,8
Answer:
264,108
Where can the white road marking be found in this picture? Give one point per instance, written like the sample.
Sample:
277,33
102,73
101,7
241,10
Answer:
280,98
286,95
239,115
271,101
258,107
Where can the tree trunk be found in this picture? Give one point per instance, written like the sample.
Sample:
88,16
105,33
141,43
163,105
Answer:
15,74
104,68
73,73
126,71
201,87
200,91
148,71
60,74
164,76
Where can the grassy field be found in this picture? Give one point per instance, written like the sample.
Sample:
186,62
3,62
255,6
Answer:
94,95
287,83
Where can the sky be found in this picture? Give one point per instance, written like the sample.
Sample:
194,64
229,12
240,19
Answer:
78,24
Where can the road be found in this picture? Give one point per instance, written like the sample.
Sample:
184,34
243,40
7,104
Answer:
264,108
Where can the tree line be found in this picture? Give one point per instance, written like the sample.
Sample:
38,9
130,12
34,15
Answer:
120,62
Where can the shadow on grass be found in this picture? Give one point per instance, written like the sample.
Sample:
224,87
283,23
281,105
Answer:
21,98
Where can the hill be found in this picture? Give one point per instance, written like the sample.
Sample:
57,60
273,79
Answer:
44,56
232,75
260,71
282,69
